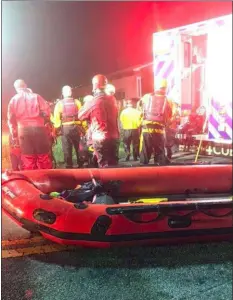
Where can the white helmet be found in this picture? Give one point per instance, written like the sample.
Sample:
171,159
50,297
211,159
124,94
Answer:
110,89
19,84
66,91
88,98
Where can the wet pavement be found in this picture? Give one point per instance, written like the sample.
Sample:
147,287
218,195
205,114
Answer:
163,273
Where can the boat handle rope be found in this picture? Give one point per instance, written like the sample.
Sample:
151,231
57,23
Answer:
190,214
20,177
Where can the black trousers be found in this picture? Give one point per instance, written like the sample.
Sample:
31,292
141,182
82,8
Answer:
106,152
171,142
70,138
131,136
152,143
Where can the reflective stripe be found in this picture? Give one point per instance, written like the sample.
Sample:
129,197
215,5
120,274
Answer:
153,130
72,122
141,143
145,122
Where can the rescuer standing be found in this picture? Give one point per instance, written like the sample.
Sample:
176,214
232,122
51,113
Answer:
172,129
110,89
102,113
66,120
130,122
27,115
156,113
88,134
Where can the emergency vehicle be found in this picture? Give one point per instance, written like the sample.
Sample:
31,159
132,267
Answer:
196,60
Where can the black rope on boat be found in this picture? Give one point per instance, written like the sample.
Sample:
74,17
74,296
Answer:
210,214
131,218
162,215
21,177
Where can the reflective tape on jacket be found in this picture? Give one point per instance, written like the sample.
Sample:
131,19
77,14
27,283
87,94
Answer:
153,130
72,123
145,122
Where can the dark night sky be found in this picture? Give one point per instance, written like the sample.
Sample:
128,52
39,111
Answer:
50,44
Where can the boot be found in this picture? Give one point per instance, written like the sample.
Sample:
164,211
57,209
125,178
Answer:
127,157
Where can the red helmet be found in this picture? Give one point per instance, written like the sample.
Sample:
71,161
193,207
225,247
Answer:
99,82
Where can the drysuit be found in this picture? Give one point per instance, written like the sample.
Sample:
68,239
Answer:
102,114
171,143
27,115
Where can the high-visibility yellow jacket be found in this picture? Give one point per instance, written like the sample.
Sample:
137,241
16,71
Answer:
57,116
130,118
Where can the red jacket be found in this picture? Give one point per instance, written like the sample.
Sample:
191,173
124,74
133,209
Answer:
26,110
102,113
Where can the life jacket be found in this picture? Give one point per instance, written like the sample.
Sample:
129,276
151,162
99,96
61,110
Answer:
69,110
154,108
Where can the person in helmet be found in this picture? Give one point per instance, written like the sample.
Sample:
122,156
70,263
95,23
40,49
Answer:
85,154
102,114
172,144
67,121
156,113
27,115
130,119
88,98
110,90
141,103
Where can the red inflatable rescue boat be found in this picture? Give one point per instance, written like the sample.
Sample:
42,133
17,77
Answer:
168,204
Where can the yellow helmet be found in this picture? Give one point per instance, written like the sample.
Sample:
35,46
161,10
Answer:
110,89
160,83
